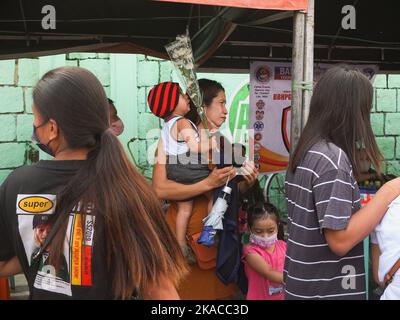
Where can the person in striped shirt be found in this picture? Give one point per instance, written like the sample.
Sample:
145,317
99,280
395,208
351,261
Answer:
326,224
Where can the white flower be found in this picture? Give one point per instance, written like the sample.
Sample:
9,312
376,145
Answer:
180,52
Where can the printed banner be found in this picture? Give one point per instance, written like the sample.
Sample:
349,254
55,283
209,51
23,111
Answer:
270,111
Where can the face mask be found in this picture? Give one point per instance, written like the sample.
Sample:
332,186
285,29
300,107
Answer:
117,127
263,242
44,147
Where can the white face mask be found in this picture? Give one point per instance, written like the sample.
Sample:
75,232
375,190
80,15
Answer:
264,242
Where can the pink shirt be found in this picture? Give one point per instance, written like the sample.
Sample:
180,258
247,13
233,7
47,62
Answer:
259,288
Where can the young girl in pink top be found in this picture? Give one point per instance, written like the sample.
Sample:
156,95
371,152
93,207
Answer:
264,256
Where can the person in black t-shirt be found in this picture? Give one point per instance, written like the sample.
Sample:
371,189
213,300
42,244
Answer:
108,238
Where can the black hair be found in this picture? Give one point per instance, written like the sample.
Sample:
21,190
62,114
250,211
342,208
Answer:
193,115
265,211
140,249
253,196
340,111
209,89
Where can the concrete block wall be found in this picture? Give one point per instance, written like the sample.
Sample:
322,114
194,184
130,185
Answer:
150,71
385,119
17,77
98,63
127,79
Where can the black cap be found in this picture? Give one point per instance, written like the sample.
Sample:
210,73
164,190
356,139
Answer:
39,219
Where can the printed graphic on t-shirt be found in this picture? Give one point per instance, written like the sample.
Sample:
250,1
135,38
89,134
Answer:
81,251
34,212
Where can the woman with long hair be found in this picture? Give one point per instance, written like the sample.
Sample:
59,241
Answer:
109,224
325,256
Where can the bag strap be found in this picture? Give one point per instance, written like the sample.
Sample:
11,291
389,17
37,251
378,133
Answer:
389,276
50,237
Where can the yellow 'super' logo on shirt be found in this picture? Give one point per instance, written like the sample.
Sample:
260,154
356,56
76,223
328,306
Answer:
35,204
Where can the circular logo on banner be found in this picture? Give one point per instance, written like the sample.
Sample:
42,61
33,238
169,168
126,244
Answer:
256,156
257,165
263,74
260,104
257,147
259,114
258,136
258,126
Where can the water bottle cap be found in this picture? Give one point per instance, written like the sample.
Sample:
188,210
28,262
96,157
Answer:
227,190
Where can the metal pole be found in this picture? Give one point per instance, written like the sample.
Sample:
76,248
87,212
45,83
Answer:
308,71
297,77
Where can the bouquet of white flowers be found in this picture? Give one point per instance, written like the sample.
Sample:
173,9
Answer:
181,54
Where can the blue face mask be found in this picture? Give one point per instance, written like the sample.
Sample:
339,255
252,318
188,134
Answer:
35,139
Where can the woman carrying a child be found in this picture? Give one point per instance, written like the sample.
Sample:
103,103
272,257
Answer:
186,154
200,283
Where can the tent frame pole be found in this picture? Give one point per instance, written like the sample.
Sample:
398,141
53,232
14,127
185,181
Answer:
302,71
297,78
308,71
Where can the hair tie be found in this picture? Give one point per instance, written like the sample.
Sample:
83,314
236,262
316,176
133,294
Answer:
98,137
107,131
